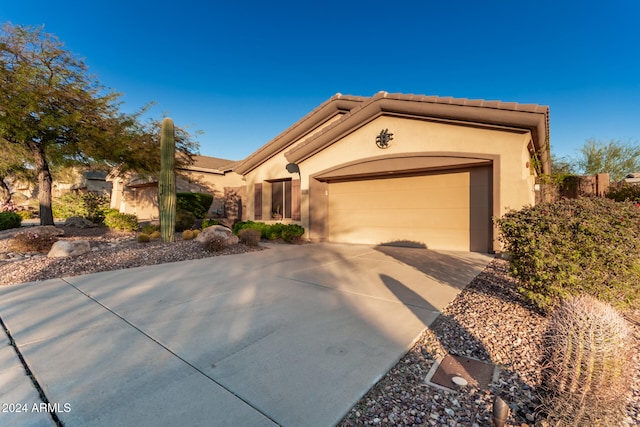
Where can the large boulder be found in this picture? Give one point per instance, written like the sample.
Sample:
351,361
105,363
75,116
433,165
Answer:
66,248
79,222
217,230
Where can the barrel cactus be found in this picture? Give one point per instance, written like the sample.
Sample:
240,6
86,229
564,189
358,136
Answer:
588,365
167,181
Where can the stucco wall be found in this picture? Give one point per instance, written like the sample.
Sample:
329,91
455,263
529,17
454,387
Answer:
513,180
143,201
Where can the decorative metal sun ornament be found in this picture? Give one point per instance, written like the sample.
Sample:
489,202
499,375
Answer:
382,140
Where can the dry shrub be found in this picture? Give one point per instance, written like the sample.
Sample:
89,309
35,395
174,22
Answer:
587,367
216,243
249,236
26,242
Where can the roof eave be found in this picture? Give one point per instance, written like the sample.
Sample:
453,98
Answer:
529,117
337,104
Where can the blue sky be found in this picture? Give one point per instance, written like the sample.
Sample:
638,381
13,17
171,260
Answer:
244,71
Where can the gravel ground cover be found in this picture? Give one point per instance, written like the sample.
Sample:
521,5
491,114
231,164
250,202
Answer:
489,321
110,250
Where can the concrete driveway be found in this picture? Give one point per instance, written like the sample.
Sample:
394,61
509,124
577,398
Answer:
292,336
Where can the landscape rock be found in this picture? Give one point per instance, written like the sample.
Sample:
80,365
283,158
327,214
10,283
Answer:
78,221
66,248
42,230
217,230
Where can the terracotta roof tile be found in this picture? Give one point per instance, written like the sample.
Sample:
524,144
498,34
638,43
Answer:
214,163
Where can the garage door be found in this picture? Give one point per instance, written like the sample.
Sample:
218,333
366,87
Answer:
444,210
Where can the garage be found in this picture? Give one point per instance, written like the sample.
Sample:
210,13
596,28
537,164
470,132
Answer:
404,169
447,210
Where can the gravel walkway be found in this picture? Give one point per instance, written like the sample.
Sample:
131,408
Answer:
489,321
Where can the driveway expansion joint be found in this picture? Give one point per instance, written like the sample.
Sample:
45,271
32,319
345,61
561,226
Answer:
252,406
31,375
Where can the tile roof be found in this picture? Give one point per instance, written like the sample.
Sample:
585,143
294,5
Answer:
212,163
356,110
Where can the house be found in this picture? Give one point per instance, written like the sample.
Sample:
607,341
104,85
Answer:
401,169
138,195
631,178
94,182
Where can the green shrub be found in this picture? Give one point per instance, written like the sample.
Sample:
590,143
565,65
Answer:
287,232
575,246
216,243
196,203
143,238
250,224
120,221
9,220
149,228
292,233
91,206
26,214
26,241
588,365
208,223
249,236
624,192
184,220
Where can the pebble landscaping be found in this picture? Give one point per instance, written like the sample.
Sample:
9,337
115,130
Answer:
489,321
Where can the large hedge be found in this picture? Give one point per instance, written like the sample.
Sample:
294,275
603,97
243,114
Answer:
196,203
575,246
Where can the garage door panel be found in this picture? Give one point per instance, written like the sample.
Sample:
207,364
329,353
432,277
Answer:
442,211
411,218
416,198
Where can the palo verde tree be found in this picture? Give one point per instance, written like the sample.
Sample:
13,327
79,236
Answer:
61,115
616,158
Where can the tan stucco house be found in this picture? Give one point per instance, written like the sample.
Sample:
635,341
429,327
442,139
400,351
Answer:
397,168
138,195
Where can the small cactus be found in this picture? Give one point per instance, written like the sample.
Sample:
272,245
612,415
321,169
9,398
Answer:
588,365
187,235
167,181
143,238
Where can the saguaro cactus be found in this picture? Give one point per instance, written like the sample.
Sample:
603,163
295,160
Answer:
588,368
167,182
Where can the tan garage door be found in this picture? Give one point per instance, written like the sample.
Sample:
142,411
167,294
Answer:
444,210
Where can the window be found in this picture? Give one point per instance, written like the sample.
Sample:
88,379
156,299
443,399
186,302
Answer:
281,199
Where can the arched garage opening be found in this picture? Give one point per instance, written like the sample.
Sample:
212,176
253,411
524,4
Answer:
441,202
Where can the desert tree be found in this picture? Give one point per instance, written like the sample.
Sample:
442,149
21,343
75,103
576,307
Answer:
51,106
617,158
14,167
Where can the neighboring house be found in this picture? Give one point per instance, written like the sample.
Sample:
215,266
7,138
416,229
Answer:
74,180
632,178
94,182
139,195
401,169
